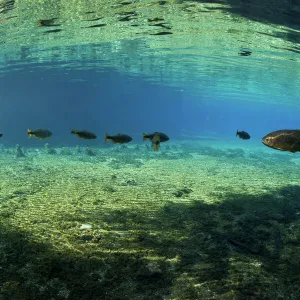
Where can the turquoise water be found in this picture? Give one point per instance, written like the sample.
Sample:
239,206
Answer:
208,215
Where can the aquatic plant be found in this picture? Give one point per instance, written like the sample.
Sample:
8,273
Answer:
124,147
130,182
210,151
65,151
122,160
122,237
109,189
235,153
90,152
78,149
49,150
184,288
182,192
19,152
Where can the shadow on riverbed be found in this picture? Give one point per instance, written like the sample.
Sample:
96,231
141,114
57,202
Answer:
245,246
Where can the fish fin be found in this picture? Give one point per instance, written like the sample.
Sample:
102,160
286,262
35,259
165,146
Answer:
156,142
156,139
156,146
106,137
73,131
144,137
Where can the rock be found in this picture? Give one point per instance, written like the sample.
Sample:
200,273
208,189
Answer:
152,269
85,226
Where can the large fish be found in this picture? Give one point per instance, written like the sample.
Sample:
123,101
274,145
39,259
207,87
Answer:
284,140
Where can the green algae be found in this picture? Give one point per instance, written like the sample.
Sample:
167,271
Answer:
142,241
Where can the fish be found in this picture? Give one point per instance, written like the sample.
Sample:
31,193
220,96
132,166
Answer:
243,135
84,134
1,134
156,138
162,137
118,138
156,142
47,23
155,20
162,33
52,31
284,140
95,26
245,53
39,133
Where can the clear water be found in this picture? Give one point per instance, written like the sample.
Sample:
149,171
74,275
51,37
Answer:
208,216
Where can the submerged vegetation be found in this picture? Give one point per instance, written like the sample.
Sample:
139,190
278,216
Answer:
189,221
221,225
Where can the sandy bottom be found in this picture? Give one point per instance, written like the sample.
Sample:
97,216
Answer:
191,221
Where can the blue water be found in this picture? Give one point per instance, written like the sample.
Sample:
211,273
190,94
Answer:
104,102
113,102
208,215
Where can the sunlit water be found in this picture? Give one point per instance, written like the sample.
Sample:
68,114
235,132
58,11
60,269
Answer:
191,45
208,216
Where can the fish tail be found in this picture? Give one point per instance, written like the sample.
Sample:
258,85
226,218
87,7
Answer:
29,133
144,137
106,137
73,131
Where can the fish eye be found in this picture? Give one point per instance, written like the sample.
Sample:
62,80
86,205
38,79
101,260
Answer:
267,139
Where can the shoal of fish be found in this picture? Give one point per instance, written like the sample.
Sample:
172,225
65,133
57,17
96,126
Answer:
284,139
